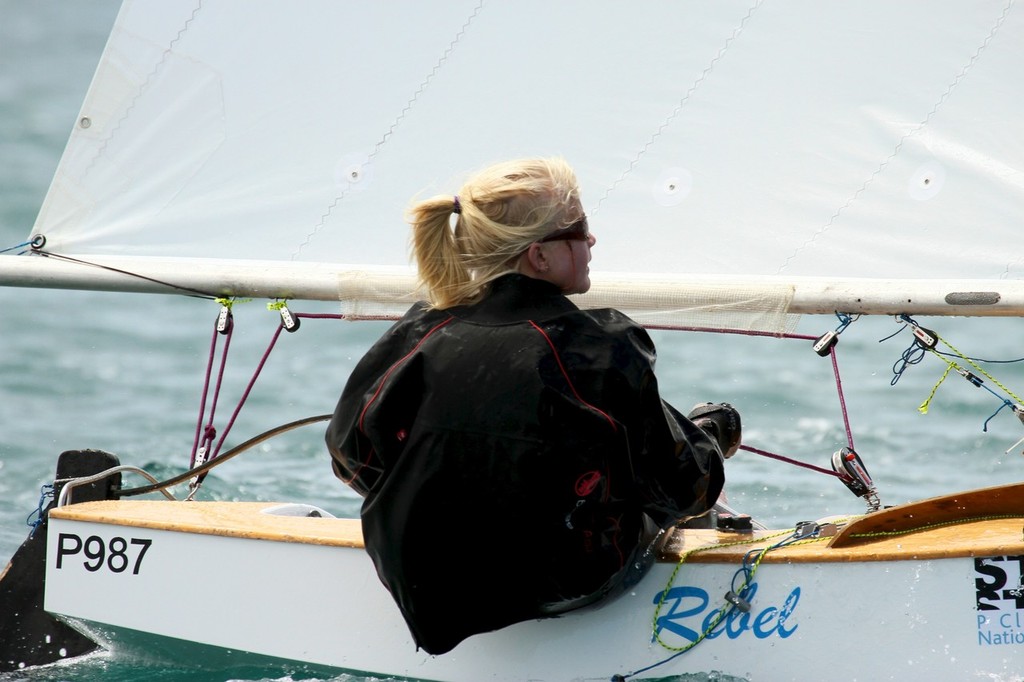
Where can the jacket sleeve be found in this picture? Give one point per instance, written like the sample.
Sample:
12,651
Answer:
681,473
353,458
678,469
357,455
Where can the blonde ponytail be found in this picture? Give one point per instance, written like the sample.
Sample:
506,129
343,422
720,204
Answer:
502,210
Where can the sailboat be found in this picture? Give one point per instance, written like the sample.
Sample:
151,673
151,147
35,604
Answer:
743,163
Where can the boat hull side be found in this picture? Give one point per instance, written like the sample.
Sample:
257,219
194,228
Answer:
323,605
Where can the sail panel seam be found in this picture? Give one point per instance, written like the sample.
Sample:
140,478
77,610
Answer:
899,144
683,101
142,88
391,129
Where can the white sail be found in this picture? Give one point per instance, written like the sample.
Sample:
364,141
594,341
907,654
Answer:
777,141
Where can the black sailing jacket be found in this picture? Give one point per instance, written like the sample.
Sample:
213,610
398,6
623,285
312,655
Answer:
516,459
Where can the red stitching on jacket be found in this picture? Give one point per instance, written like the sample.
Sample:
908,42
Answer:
565,374
587,482
376,394
362,415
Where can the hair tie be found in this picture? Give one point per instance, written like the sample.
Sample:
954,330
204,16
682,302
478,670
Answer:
457,208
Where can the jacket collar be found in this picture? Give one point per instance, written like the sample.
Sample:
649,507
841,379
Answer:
516,298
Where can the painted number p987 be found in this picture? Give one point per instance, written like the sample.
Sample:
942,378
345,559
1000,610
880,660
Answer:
117,555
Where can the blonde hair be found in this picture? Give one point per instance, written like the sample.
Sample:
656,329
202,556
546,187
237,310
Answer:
500,211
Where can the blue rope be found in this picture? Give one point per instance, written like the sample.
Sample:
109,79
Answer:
17,246
1006,403
911,356
45,493
845,321
915,353
748,567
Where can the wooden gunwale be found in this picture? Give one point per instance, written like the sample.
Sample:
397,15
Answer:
985,522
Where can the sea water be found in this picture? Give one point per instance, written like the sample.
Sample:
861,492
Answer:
113,372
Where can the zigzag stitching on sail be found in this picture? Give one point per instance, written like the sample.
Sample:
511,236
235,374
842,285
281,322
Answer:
1009,266
391,129
899,144
142,88
679,107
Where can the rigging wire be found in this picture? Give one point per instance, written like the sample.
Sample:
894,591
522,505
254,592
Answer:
209,464
184,290
909,322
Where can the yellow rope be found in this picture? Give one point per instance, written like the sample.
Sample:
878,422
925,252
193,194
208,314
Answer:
725,607
951,365
228,302
931,526
923,408
976,366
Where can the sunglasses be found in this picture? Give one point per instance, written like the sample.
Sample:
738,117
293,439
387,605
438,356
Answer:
578,231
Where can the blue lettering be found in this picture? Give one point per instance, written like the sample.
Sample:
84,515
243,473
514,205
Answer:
786,612
761,629
1008,621
670,621
736,623
714,618
686,601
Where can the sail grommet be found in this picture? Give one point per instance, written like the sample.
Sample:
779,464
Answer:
353,172
927,181
37,242
672,186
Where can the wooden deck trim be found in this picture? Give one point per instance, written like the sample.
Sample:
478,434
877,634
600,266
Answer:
997,501
988,537
229,519
993,537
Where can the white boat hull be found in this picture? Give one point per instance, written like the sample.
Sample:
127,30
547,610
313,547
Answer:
319,602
